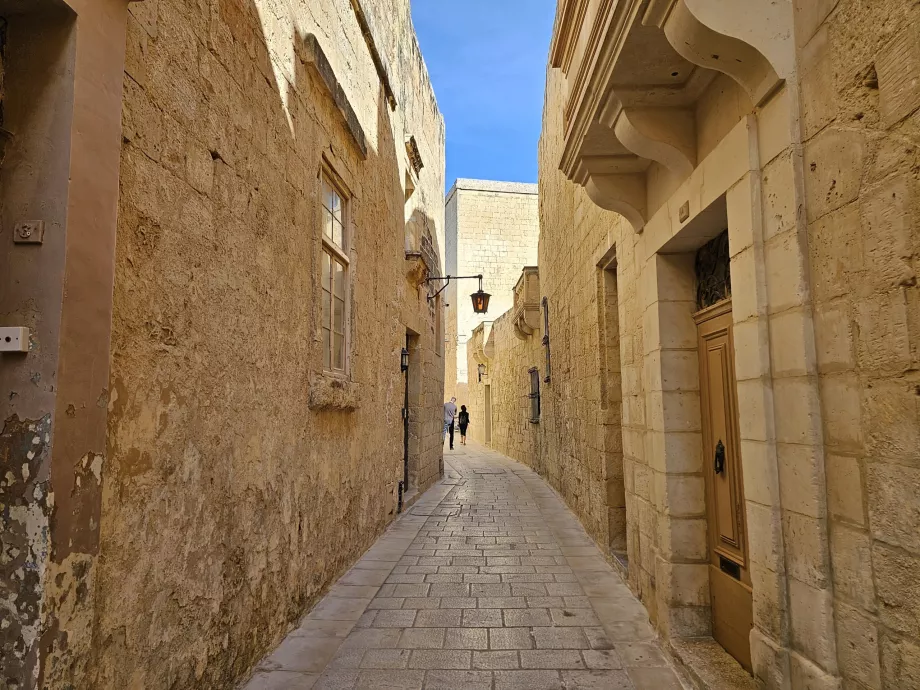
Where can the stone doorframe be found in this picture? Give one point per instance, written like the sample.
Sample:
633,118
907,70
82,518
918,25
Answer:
752,182
62,290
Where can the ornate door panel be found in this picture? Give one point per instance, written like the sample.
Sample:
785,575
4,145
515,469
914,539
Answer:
730,580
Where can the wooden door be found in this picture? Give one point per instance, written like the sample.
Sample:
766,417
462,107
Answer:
729,576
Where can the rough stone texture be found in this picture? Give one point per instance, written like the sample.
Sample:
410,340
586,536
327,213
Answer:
861,121
237,480
492,229
824,253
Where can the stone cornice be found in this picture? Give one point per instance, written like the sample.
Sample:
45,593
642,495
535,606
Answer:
590,87
383,71
314,56
565,37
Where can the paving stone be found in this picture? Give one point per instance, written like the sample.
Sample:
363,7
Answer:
597,638
598,680
458,603
487,582
510,638
560,638
401,680
482,618
281,680
438,618
526,617
499,660
601,659
399,618
388,603
458,680
490,590
552,659
467,638
574,617
386,658
339,679
528,680
502,603
640,654
371,638
654,678
446,659
422,638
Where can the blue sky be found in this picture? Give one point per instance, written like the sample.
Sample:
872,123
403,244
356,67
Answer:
487,60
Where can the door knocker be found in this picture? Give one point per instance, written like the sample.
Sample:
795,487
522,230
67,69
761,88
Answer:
720,457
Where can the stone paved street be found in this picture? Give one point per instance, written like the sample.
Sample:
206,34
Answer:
487,582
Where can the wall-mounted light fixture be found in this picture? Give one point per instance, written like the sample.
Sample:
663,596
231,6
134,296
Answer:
480,298
482,370
404,360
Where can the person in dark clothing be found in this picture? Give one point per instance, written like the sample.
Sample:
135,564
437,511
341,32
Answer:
464,419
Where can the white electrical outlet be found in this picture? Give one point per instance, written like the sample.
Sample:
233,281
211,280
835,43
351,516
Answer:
14,339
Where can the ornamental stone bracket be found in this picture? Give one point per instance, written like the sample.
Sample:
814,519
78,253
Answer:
691,33
634,85
481,344
421,263
525,314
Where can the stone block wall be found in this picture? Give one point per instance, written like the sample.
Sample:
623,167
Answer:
237,480
492,229
861,116
816,186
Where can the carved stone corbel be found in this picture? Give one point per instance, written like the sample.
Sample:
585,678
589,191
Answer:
623,193
664,135
703,45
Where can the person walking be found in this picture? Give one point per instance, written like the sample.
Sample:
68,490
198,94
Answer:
464,420
450,411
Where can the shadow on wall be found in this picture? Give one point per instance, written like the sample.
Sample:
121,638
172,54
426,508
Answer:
222,518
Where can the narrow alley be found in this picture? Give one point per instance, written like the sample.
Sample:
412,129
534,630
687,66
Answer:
489,581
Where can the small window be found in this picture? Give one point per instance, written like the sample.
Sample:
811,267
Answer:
534,395
546,338
335,277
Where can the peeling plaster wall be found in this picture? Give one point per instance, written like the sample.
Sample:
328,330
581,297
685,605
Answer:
233,492
861,123
38,96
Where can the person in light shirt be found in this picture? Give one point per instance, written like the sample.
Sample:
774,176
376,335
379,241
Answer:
450,411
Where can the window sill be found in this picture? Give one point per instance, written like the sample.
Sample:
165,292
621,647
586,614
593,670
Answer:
331,392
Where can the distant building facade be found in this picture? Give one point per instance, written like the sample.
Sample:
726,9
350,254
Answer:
218,218
492,228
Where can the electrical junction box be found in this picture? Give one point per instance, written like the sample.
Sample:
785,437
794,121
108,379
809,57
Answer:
14,339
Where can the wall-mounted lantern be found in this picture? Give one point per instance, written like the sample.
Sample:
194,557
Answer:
482,370
404,360
480,298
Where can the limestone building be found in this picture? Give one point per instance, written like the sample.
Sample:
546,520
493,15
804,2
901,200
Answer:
217,221
721,374
492,229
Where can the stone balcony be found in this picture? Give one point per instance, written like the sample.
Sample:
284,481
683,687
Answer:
525,313
636,70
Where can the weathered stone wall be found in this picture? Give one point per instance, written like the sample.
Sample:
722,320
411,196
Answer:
817,188
238,479
493,229
859,64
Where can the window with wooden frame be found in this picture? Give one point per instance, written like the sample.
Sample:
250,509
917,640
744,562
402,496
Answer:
335,276
534,395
